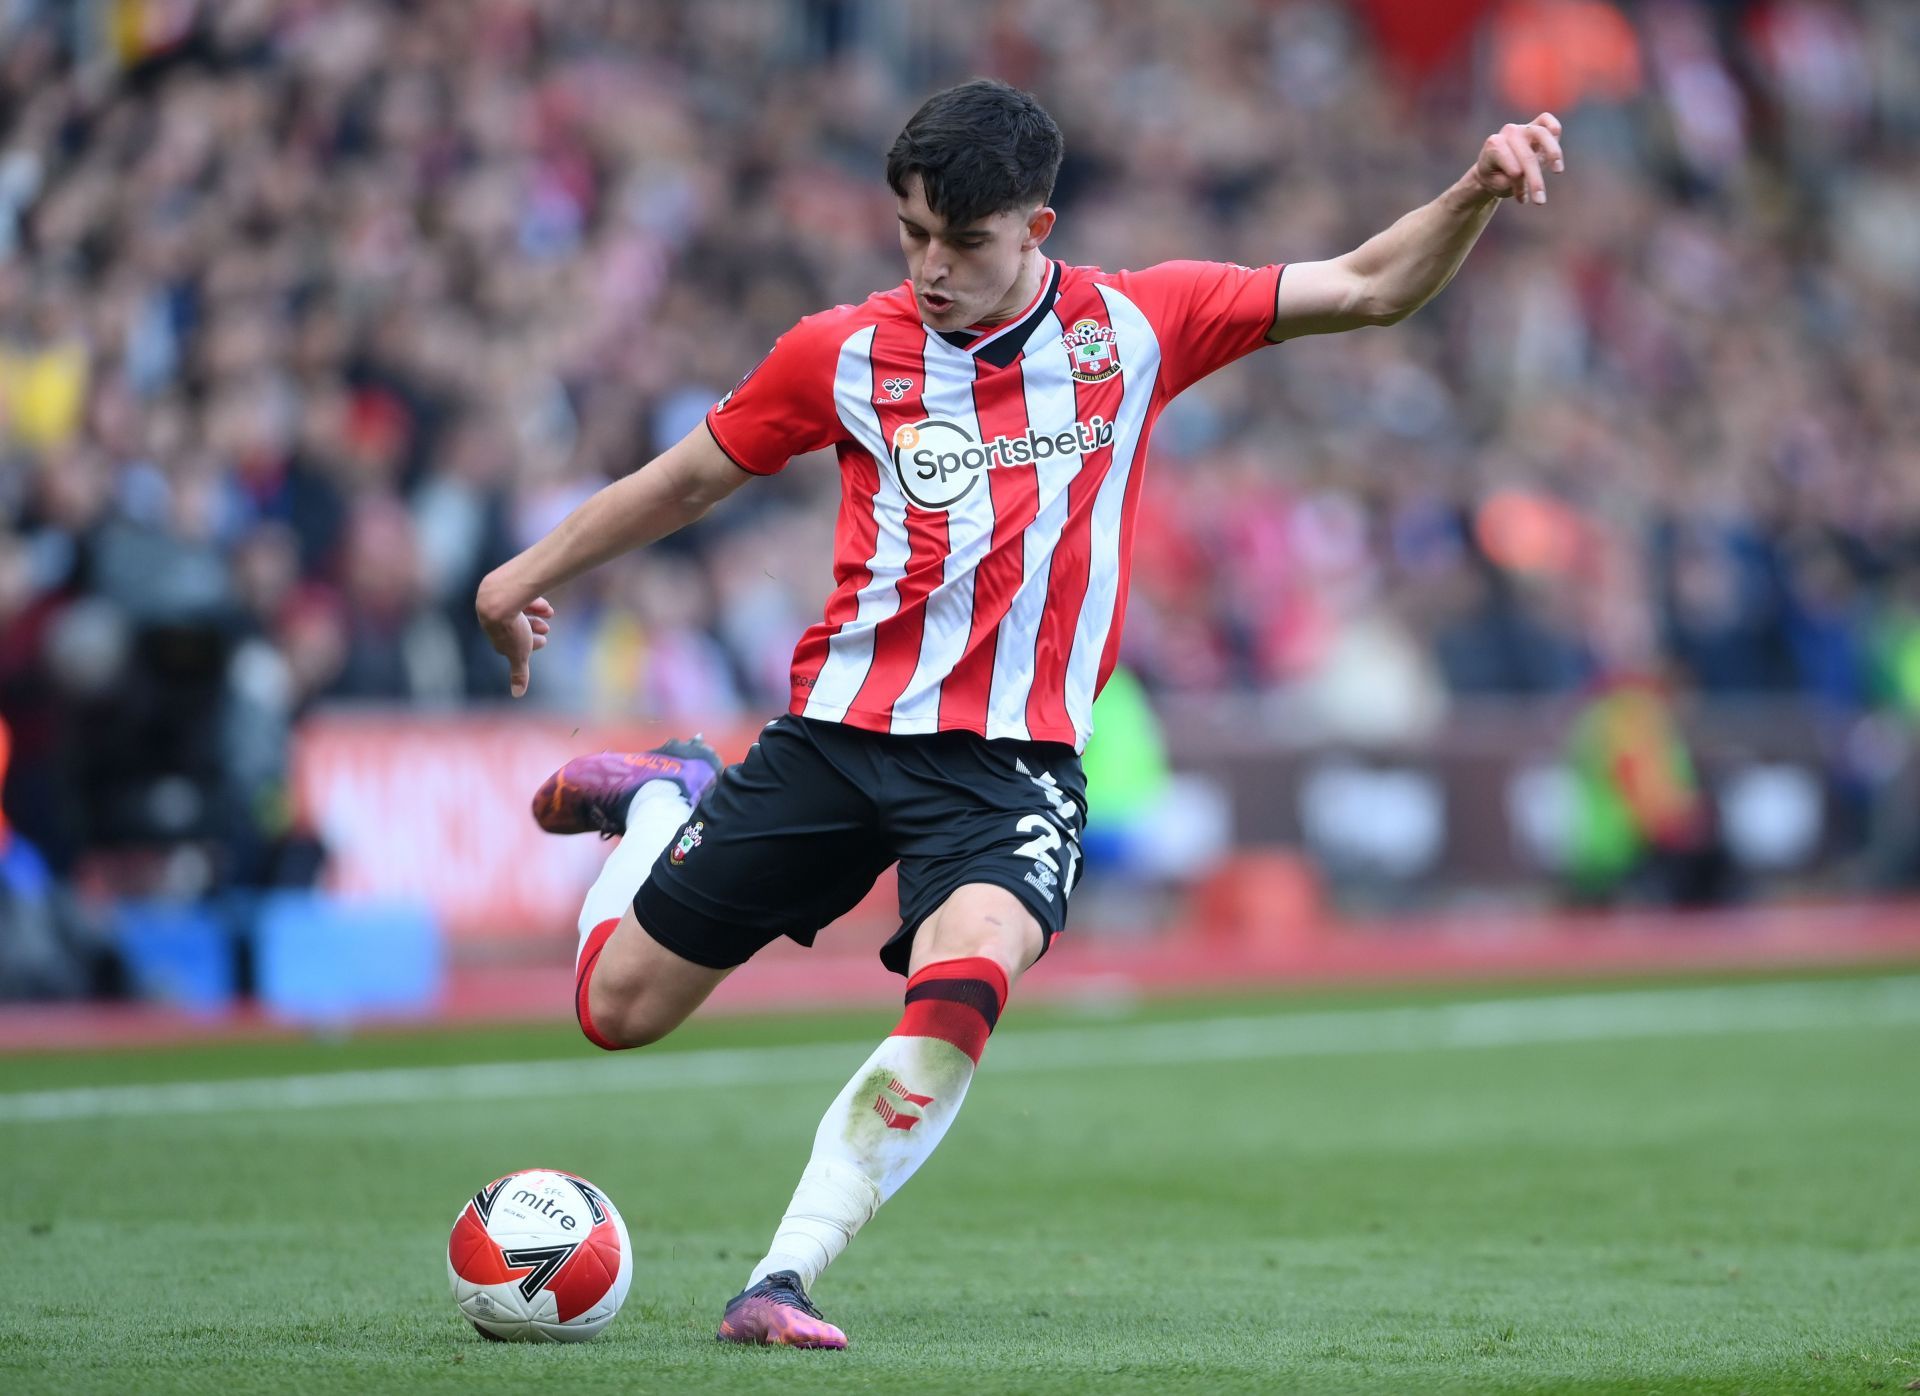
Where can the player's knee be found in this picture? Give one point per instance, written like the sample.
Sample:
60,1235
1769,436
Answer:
628,1033
1012,948
619,1015
617,1030
981,921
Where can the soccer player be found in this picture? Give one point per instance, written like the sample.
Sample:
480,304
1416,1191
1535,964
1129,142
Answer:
991,417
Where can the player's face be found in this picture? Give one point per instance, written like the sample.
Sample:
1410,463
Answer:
965,275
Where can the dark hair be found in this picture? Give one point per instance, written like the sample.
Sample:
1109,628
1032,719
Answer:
980,148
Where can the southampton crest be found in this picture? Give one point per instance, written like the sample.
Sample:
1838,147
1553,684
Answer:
689,840
1090,347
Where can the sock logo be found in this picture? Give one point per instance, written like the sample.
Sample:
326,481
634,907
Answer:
904,1111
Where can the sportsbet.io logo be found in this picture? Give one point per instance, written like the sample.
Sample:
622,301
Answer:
938,462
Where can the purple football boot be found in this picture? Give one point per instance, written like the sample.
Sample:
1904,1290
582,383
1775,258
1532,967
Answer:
591,793
777,1312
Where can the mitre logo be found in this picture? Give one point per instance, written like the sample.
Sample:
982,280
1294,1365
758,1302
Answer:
938,462
1091,347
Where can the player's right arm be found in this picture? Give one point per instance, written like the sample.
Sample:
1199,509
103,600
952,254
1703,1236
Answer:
670,492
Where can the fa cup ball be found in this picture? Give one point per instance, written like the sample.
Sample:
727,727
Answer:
539,1256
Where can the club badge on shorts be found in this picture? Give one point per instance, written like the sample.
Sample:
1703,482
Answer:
689,840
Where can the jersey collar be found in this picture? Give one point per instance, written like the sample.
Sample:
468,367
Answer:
1001,344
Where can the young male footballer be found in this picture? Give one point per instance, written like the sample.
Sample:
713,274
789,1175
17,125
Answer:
991,416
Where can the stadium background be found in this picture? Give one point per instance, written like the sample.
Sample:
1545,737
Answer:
1570,630
1595,584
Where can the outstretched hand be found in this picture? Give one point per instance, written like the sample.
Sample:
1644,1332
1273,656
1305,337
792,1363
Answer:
517,635
1514,161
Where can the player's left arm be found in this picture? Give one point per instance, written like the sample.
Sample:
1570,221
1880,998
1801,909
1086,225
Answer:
1395,272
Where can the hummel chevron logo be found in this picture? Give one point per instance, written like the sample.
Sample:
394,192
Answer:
895,1114
897,388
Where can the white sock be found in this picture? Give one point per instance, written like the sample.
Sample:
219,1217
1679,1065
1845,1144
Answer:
654,815
879,1129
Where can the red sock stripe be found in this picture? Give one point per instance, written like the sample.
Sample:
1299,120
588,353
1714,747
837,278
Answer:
979,967
957,1001
589,957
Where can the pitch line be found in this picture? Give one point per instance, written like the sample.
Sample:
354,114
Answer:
1490,1023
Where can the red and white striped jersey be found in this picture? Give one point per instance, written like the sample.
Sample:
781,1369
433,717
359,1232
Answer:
989,486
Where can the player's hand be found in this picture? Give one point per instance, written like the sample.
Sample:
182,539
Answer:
1515,160
516,634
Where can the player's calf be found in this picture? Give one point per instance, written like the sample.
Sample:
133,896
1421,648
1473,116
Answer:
890,1117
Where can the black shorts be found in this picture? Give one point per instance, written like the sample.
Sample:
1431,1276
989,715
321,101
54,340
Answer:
787,841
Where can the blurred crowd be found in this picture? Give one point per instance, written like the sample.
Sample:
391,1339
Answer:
311,311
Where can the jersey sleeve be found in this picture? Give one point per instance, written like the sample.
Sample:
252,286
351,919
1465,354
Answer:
784,406
1205,314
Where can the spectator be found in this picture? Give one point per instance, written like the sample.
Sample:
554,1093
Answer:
310,313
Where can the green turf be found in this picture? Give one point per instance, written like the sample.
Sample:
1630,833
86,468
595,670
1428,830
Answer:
1711,1212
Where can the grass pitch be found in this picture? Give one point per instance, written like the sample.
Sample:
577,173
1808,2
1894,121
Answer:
1669,1190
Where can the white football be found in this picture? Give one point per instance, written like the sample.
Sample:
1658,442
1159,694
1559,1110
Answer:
539,1256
